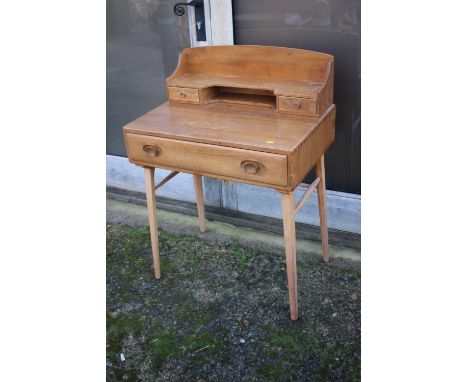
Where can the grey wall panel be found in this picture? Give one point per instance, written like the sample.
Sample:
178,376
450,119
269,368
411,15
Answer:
344,210
122,174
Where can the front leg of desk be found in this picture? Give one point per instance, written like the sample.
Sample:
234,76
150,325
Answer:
153,221
289,226
198,183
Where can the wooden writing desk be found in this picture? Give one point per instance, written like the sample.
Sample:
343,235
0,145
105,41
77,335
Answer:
251,114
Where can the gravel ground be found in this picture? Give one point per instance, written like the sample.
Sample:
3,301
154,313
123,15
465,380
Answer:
220,312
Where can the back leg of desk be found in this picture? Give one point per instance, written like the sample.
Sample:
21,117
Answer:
198,183
322,202
289,226
153,221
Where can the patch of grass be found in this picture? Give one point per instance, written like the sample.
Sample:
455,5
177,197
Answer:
136,240
280,370
161,345
165,265
191,259
272,372
310,265
286,341
197,341
196,315
340,358
242,256
349,273
139,234
118,328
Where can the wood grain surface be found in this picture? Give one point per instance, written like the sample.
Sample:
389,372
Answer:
241,126
206,159
283,72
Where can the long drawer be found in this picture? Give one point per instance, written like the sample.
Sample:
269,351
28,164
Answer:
254,166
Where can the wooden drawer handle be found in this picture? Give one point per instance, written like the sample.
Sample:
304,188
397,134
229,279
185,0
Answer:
297,103
251,167
152,151
182,94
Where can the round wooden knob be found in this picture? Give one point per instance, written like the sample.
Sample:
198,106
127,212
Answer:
152,151
297,103
182,94
251,167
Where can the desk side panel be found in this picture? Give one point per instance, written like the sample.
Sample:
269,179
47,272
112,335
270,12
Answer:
305,156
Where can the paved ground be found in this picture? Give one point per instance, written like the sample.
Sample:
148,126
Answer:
220,310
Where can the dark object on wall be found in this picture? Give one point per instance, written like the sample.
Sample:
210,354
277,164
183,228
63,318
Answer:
199,7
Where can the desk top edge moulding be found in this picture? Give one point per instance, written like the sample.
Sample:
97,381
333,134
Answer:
254,114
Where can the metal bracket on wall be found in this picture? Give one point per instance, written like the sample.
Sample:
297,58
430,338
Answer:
199,7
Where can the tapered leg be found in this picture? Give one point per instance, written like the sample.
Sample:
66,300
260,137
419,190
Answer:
198,182
289,225
322,202
153,221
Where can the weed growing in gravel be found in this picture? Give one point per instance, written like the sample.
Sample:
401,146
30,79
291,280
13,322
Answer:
242,256
199,341
118,327
162,345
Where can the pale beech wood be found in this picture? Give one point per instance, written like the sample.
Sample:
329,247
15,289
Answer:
209,159
289,226
166,179
307,194
322,202
198,183
153,221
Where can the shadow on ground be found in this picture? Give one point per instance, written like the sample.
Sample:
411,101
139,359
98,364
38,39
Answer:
220,312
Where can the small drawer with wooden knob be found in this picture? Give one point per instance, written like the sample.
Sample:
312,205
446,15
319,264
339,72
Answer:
297,105
178,94
255,167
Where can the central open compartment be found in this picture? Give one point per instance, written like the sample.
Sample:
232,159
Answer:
243,96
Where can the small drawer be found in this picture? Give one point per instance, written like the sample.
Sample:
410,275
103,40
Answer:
252,166
297,105
183,94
